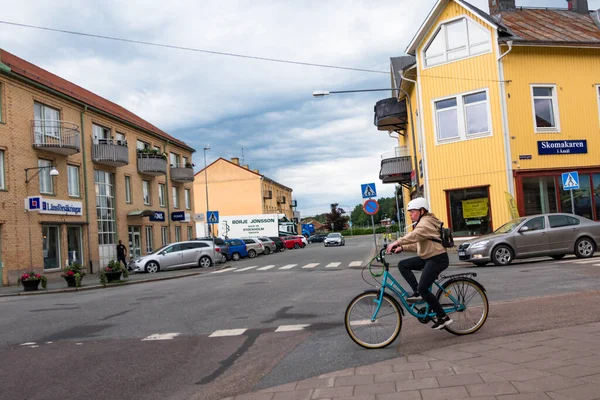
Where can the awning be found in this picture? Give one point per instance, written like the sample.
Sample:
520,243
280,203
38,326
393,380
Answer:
141,213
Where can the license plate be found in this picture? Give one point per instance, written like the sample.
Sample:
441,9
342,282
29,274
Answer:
461,253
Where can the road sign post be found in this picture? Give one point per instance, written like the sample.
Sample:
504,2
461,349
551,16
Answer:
570,181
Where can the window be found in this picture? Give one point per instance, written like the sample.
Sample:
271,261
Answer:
51,247
121,139
73,172
146,190
148,239
127,189
178,234
47,122
545,108
583,197
101,134
2,174
190,233
535,224
105,209
161,194
469,211
141,145
175,197
473,121
174,159
157,148
557,221
46,182
164,234
539,195
455,40
187,199
185,162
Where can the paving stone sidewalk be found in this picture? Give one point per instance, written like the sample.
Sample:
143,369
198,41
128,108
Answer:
553,364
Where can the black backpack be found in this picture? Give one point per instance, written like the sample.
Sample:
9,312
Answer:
446,238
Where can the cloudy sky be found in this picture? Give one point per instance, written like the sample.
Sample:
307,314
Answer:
322,148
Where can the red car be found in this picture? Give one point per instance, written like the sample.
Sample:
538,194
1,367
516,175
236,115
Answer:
292,242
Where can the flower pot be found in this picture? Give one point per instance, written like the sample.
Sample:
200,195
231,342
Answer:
113,276
71,281
31,285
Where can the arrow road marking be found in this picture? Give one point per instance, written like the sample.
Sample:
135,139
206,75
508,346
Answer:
228,332
312,265
265,267
356,263
333,265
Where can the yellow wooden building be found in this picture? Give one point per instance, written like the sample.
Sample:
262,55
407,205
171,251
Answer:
491,107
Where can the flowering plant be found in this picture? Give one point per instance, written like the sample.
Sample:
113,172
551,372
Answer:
32,276
113,266
74,270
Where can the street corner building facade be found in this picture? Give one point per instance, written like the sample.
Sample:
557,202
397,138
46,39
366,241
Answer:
492,108
234,189
78,173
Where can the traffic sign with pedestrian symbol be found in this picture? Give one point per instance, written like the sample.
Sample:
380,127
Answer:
368,190
213,217
570,180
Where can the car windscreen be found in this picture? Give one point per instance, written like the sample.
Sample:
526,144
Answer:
334,235
510,226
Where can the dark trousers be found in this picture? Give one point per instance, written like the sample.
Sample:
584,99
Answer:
122,258
432,268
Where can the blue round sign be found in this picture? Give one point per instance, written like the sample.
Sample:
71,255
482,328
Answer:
371,207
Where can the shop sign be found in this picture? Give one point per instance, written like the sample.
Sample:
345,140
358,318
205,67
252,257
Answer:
180,216
50,206
159,216
475,208
546,147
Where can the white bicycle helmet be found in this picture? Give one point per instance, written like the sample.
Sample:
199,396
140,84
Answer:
417,204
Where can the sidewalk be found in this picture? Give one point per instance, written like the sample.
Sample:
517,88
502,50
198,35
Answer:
90,282
554,364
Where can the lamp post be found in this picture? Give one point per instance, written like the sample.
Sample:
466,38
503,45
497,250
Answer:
207,147
350,216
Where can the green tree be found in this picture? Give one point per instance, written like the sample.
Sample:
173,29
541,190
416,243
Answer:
337,218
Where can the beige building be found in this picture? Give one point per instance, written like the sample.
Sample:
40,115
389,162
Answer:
235,189
119,177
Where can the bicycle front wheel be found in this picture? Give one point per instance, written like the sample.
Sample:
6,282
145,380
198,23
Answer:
377,333
472,296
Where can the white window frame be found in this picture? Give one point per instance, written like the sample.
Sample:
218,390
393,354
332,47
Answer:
45,177
188,203
190,232
185,161
51,131
175,160
141,145
177,234
441,26
162,194
149,239
146,192
555,109
74,191
164,235
101,133
127,189
175,193
462,118
2,170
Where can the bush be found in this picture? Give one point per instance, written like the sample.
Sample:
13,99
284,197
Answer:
364,231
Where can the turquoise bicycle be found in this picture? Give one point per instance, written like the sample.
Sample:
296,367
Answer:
374,318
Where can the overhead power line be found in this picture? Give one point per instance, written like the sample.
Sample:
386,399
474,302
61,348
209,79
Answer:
220,53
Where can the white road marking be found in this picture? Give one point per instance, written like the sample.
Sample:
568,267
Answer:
333,265
27,343
224,270
596,265
290,328
266,267
289,266
227,332
34,346
78,344
49,342
162,336
246,269
356,263
312,265
587,261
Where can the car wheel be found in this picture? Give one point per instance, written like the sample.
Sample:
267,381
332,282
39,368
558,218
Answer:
325,244
296,246
303,245
152,267
267,250
585,248
251,253
558,256
235,256
502,255
205,262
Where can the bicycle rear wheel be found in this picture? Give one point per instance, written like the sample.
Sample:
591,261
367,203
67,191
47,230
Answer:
470,294
375,334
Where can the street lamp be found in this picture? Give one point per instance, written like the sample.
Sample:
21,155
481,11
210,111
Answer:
207,147
350,216
53,172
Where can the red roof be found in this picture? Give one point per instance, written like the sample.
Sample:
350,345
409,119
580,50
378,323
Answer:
41,76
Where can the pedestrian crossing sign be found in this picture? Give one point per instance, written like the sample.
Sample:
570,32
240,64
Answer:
570,180
212,217
368,190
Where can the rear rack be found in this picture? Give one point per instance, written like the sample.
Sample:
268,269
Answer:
468,274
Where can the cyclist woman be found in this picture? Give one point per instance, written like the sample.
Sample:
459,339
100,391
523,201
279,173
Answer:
432,257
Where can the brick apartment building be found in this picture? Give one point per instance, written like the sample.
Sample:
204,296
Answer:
78,173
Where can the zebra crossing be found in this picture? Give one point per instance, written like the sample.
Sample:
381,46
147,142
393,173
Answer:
288,267
594,260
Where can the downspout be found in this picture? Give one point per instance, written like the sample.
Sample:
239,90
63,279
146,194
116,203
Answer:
412,129
507,147
85,196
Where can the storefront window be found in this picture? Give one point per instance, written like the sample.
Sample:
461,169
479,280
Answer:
74,244
539,195
470,211
51,247
596,178
582,198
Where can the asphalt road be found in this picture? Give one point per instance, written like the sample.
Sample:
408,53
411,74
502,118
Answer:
91,344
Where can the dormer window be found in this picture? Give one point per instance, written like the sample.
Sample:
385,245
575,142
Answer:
455,40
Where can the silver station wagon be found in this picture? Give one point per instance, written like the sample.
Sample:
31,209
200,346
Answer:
553,235
177,255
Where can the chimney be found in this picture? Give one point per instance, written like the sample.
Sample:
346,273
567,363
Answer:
497,6
257,171
235,160
247,166
579,6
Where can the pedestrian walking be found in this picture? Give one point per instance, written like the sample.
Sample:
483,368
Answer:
121,253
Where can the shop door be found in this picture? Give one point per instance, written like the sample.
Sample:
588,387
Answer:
74,244
135,242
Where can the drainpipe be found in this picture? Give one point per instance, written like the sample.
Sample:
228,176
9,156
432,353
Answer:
510,44
412,128
85,192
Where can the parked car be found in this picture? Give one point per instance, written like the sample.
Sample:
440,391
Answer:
268,244
292,242
237,248
553,235
219,242
279,246
334,239
176,255
304,241
318,238
254,246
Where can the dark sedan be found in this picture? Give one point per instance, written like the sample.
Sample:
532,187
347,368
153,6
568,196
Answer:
316,238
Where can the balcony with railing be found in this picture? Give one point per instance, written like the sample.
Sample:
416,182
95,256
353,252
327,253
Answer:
114,153
390,114
56,136
396,166
182,173
267,194
151,164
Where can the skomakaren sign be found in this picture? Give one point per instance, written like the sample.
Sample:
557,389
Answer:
48,206
546,147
